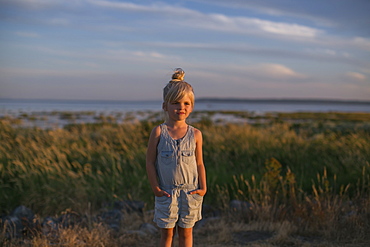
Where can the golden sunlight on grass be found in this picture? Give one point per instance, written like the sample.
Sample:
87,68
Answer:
289,180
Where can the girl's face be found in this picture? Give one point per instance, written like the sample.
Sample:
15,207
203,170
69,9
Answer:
179,110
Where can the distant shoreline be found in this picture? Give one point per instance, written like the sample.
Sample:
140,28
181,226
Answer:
203,100
283,100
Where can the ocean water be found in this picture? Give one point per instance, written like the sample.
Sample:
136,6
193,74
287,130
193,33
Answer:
14,107
52,114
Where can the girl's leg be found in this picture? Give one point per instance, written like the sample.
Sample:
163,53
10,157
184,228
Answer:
167,237
185,237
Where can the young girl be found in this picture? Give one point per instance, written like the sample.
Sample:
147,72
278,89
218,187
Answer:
175,166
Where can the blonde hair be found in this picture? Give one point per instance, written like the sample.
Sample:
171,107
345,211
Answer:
178,74
177,88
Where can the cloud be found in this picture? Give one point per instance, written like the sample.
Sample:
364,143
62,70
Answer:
214,21
122,5
28,34
277,9
37,73
59,21
33,4
153,8
253,45
113,53
347,16
285,28
243,49
245,25
362,43
357,76
263,72
274,71
149,54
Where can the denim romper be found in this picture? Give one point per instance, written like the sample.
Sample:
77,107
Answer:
178,175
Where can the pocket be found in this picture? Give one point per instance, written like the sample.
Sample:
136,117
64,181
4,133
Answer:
167,157
194,201
187,156
162,204
197,197
162,200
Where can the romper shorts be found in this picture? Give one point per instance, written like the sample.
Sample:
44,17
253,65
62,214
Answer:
182,208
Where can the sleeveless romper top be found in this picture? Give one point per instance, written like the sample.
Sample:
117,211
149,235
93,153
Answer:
176,164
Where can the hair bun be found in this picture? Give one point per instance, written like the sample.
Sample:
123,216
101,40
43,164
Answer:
178,75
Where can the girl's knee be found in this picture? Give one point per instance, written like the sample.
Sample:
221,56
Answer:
185,232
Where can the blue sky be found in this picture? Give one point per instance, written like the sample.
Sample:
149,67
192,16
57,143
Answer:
126,50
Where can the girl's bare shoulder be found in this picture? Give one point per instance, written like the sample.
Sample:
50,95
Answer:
197,133
156,131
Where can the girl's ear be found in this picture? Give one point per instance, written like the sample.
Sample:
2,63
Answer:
164,106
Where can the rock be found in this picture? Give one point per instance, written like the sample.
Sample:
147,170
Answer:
21,222
69,219
240,206
49,226
23,212
12,226
111,218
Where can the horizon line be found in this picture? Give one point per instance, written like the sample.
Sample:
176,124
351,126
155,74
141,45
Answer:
207,99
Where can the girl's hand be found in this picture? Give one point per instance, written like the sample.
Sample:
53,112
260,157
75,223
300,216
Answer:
199,192
161,193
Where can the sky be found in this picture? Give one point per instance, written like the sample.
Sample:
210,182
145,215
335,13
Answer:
127,50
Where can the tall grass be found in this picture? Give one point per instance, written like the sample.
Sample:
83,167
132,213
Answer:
51,170
293,178
243,150
82,164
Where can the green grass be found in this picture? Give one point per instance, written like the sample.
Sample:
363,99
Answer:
309,170
96,163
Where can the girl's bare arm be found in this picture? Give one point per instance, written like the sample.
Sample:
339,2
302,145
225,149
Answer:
200,165
151,156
